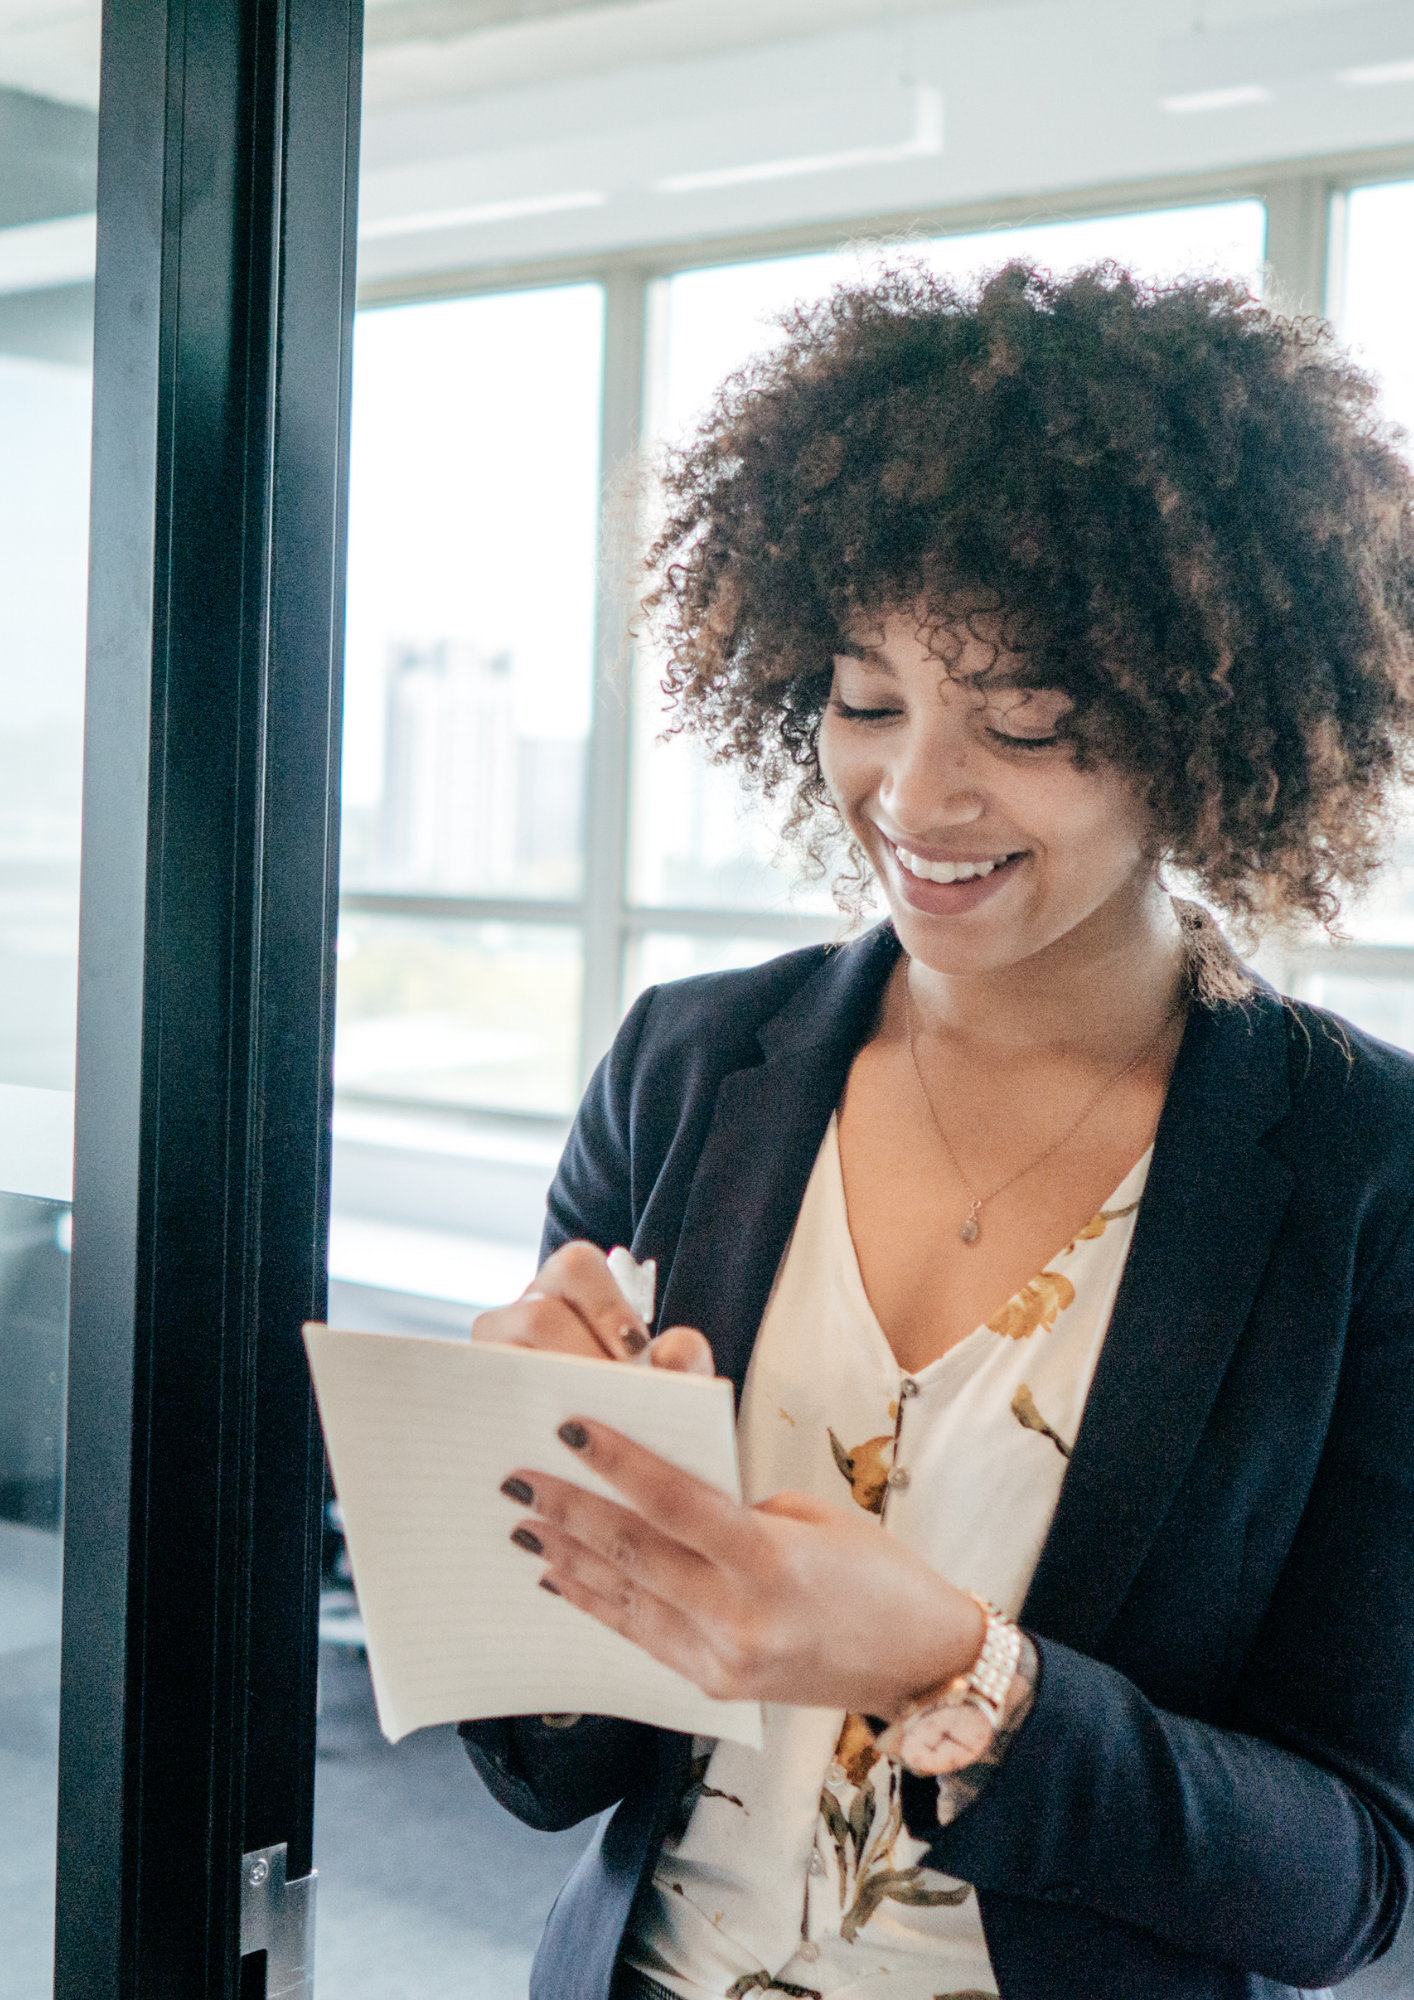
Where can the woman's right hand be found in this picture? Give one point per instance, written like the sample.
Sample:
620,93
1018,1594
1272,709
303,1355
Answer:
573,1306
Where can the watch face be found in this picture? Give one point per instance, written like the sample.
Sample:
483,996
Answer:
943,1738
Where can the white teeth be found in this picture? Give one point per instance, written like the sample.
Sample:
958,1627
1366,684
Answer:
946,871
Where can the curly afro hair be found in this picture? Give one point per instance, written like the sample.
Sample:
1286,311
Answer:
1172,503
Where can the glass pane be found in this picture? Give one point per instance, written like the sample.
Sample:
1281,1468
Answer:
659,956
1227,238
47,165
696,842
481,1016
1386,914
1383,1007
473,509
34,1319
474,504
44,448
1377,302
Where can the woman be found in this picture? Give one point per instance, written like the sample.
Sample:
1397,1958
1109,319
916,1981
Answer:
1054,1257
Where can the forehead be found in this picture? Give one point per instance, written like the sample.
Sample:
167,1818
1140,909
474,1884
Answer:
976,661
969,643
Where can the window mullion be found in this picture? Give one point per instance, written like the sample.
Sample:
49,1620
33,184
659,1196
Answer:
1298,237
606,802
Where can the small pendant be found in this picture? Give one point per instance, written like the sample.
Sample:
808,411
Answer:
971,1229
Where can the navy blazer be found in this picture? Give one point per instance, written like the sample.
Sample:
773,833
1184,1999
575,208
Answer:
1214,1793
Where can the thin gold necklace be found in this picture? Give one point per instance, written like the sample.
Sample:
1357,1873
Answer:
972,1226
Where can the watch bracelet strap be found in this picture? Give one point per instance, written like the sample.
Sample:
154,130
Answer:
985,1686
989,1682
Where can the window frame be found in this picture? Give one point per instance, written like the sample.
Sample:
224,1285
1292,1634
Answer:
1304,202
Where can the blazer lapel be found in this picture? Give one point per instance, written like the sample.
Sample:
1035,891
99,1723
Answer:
1211,1210
767,1125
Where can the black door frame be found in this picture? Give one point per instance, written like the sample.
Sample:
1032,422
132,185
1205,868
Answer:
228,139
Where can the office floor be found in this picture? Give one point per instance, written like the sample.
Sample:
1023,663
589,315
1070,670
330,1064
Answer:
427,1889
29,1748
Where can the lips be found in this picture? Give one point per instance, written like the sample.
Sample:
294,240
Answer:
949,871
953,887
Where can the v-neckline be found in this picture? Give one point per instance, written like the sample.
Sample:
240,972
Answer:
852,1277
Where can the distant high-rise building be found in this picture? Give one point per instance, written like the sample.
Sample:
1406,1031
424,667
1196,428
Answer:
550,799
450,767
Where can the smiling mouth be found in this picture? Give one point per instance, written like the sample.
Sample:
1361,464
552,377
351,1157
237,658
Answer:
949,871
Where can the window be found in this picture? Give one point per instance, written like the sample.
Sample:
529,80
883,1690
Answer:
467,710
468,695
1374,288
1370,979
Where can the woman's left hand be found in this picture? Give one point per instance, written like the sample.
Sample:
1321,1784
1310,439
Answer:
793,1600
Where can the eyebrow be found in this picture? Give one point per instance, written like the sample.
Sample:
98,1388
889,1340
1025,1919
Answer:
990,680
867,657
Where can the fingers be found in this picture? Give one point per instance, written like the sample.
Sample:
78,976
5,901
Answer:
685,1509
579,1275
622,1571
573,1306
617,1559
536,1321
608,1538
651,1622
683,1349
788,1506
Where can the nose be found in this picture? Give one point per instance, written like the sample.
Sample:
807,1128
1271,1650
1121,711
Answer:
929,784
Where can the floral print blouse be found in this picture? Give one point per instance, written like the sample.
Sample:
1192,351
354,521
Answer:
790,1870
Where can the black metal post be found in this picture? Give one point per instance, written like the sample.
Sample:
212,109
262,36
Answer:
227,172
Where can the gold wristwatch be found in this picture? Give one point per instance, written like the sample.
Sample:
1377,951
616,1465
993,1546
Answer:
953,1726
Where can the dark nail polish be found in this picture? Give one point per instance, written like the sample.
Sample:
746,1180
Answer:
573,1434
553,1588
516,1489
634,1341
530,1542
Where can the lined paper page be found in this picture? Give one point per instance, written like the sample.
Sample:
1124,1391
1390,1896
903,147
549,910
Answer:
420,1434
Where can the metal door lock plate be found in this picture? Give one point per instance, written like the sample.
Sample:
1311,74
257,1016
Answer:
277,1917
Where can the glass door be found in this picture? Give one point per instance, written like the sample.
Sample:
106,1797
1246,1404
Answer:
200,1068
47,166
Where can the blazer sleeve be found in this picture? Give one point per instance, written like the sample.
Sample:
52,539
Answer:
551,1776
591,1198
1280,1845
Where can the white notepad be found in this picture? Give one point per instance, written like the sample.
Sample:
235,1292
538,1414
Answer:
420,1434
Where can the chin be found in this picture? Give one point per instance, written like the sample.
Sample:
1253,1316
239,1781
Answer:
936,943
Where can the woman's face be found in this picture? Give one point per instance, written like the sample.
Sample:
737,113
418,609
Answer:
990,844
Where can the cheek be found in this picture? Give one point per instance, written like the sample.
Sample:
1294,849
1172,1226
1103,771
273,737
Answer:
1099,825
841,765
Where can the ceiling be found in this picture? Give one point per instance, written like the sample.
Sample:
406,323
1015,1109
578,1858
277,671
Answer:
507,131
428,49
435,50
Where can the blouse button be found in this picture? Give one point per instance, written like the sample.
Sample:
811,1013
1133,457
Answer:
899,1476
836,1775
817,1863
809,1950
908,1387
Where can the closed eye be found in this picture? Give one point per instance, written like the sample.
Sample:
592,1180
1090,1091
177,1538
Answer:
1023,742
850,714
